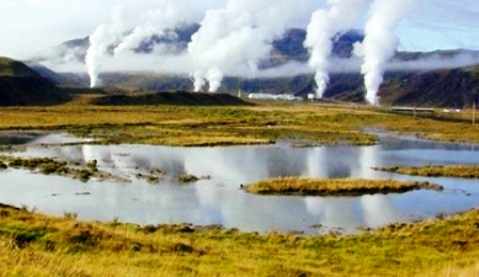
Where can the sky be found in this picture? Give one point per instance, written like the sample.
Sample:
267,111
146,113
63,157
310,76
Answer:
28,27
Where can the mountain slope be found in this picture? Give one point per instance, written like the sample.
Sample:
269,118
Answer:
287,48
22,86
441,88
456,88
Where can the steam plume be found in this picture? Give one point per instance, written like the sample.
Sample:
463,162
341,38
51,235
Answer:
158,22
380,43
325,26
240,33
103,37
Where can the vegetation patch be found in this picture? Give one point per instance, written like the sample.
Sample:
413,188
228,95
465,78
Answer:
153,177
334,187
50,166
454,171
188,178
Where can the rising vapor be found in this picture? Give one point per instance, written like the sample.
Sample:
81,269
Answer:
104,36
380,43
323,28
159,22
240,33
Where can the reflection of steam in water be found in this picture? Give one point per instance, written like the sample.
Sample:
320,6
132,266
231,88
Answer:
377,209
238,164
334,212
368,157
317,163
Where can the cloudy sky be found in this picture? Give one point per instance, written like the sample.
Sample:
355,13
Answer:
31,26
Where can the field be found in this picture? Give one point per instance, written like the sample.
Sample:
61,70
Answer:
334,187
37,245
32,244
307,123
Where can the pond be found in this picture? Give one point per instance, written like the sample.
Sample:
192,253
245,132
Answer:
219,201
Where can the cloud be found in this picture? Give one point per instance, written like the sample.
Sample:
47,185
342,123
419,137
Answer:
27,27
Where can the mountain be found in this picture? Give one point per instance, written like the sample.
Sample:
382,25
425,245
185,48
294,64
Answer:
22,86
448,87
287,48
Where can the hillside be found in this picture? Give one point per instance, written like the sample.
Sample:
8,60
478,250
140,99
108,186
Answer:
442,88
12,68
171,98
22,86
456,88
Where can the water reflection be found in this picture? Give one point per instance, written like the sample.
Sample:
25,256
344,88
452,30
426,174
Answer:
219,200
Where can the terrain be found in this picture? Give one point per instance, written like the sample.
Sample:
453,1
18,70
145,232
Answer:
38,245
32,244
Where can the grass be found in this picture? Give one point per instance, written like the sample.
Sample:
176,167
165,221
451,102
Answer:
310,123
454,171
191,126
37,245
334,187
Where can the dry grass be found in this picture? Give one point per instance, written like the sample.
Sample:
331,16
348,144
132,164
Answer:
467,172
311,123
334,187
36,245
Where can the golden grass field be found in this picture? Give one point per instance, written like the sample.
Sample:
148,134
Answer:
210,126
36,245
334,187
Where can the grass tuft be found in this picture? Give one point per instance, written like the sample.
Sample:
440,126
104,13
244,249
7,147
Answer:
334,187
460,171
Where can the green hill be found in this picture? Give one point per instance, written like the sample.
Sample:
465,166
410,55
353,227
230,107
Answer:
22,86
9,67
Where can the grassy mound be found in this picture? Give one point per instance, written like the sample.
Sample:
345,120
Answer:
171,98
454,171
334,187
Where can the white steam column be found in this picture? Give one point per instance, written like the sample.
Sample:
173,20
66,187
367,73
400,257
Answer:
241,34
157,23
104,36
380,43
323,28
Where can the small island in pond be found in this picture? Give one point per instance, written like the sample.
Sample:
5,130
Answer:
453,171
334,187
